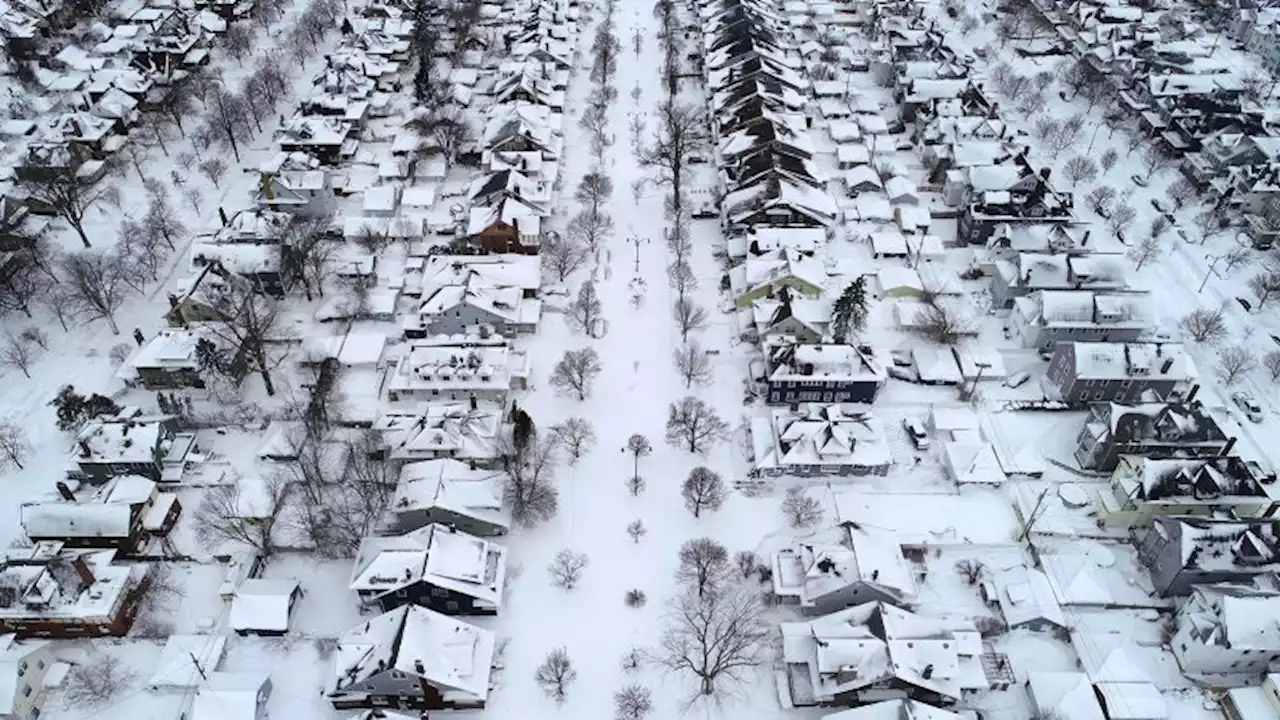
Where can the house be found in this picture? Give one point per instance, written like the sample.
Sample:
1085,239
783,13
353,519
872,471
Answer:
1256,702
817,439
1182,552
1030,200
859,654
1263,226
232,696
766,276
1030,272
445,368
855,565
450,493
509,226
168,361
1158,430
1081,372
184,661
1225,149
23,667
301,193
821,373
778,201
263,607
1146,488
443,430
1025,599
412,657
895,710
435,567
1045,318
1063,694
1228,632
325,138
46,591
131,444
791,316
463,293
121,515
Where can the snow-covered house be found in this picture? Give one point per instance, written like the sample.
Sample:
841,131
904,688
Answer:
121,515
900,709
522,127
1229,632
130,444
1184,552
462,294
508,226
435,567
444,430
303,193
767,275
852,656
23,669
1025,599
232,696
850,565
821,373
792,316
819,439
1255,702
1160,430
1030,272
168,360
51,592
444,368
1081,372
1143,489
1031,200
412,657
324,138
1048,317
263,607
450,492
1063,694
184,661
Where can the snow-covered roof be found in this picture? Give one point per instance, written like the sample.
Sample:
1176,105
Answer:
1025,596
432,366
816,435
900,709
1064,694
185,659
170,349
1131,361
811,571
453,656
433,554
453,486
1132,701
443,429
972,461
231,696
262,605
54,520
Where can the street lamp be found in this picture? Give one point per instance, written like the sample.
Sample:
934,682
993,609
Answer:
637,241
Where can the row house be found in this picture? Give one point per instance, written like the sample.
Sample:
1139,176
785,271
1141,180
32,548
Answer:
49,591
1046,318
1181,552
1157,430
1084,372
1143,489
122,515
130,443
436,567
450,368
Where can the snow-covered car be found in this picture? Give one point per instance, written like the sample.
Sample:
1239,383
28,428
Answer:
1247,405
915,431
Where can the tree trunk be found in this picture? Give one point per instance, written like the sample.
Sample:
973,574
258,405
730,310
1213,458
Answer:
111,320
79,228
261,358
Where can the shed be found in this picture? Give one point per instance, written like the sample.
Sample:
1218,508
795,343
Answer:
898,281
972,461
1026,599
1131,701
262,607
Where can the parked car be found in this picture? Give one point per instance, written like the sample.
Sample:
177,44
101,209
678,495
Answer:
1139,180
915,431
1247,405
1017,379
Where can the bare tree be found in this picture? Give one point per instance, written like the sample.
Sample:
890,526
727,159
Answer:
555,674
1264,284
214,168
22,283
704,565
941,323
682,131
70,197
1233,362
238,40
1179,192
636,530
228,117
1122,216
529,492
19,352
562,254
703,490
307,256
1109,159
227,514
801,509
1271,361
1080,169
688,316
586,310
1234,258
1100,199
594,191
1204,325
576,372
97,679
632,702
97,284
566,568
15,447
638,445
693,364
716,638
249,321
163,220
591,229
1154,159
971,570
576,436
693,425
1146,249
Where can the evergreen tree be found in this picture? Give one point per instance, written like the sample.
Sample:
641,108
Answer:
850,311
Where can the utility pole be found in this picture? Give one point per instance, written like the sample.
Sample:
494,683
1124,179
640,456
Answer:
1212,268
1033,516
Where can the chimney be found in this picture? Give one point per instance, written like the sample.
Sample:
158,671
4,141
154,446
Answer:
928,671
83,570
222,215
1226,449
65,491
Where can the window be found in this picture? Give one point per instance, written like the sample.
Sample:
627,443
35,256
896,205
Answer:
35,713
439,592
39,664
26,690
